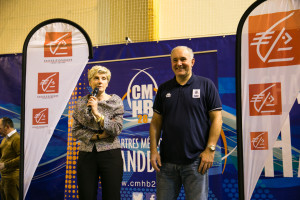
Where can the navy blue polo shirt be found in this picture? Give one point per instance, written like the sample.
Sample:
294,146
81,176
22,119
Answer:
186,123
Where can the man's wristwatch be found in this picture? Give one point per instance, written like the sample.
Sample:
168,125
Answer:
211,147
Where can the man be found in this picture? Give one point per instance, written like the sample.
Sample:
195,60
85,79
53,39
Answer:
10,160
187,109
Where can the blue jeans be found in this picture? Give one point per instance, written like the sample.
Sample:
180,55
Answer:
172,176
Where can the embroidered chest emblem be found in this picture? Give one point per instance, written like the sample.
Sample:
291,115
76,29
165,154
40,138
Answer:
168,95
196,93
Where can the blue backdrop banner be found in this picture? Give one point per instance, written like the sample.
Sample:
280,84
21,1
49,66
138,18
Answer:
137,70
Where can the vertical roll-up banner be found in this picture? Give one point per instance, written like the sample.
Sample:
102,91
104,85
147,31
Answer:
54,55
268,82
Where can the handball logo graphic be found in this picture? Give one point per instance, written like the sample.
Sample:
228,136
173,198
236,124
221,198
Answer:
58,44
139,96
274,41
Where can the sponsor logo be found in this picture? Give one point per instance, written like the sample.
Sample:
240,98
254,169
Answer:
139,96
150,196
259,140
58,44
168,95
137,196
40,116
274,39
196,93
265,99
48,83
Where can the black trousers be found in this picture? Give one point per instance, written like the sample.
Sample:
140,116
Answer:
106,164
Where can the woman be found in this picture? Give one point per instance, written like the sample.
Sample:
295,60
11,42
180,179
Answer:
98,120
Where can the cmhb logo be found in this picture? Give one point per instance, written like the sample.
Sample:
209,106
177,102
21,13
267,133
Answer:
58,44
48,83
140,97
274,39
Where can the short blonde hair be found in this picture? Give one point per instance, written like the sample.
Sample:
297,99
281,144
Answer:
99,69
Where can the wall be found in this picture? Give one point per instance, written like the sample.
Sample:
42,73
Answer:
109,22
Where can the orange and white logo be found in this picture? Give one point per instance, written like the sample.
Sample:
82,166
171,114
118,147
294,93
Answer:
259,140
140,97
40,116
58,44
265,99
48,83
274,39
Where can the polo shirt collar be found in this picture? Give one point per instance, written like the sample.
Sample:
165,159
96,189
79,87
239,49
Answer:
190,80
187,83
11,133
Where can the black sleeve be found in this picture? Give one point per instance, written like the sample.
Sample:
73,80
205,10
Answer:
157,106
214,101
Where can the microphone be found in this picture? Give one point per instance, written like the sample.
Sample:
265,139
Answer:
94,93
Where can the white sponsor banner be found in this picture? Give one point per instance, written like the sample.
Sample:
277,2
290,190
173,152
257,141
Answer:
270,79
56,56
